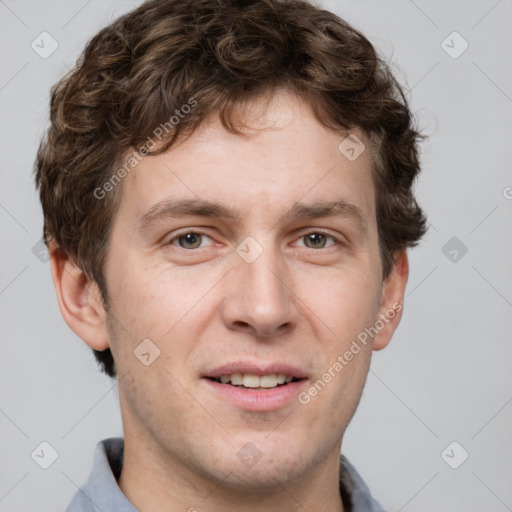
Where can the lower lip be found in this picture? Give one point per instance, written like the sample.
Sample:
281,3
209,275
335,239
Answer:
258,400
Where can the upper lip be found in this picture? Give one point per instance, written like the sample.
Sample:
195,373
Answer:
255,368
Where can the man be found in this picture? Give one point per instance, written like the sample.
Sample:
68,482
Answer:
226,188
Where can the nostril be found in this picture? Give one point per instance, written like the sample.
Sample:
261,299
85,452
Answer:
242,324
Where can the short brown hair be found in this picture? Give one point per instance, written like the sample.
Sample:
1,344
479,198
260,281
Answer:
140,70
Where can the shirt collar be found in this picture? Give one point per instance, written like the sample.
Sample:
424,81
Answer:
101,493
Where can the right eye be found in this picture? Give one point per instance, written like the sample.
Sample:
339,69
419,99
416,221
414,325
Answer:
189,240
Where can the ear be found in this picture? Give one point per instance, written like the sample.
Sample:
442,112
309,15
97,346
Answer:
79,300
391,304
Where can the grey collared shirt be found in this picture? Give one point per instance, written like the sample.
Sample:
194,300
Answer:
102,494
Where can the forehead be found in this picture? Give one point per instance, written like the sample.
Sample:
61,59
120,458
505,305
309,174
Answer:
284,155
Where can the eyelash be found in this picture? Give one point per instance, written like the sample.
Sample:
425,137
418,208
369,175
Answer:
337,242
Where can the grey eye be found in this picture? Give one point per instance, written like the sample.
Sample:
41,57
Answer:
315,240
190,240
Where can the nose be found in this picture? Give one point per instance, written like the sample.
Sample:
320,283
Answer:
259,299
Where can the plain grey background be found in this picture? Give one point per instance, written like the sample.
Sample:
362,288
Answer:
446,376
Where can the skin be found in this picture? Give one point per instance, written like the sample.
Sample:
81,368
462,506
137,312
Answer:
205,307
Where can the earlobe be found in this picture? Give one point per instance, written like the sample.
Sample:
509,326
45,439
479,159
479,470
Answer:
79,300
391,305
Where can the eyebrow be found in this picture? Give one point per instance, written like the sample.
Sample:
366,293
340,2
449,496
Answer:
338,208
181,207
170,208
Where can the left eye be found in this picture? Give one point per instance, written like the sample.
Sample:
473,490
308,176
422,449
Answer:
317,240
190,240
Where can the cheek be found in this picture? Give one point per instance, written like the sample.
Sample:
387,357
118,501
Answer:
157,303
348,303
151,299
345,302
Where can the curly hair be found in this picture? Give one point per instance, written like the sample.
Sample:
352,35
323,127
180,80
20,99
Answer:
141,69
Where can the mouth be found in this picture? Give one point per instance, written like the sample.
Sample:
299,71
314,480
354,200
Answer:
255,382
256,387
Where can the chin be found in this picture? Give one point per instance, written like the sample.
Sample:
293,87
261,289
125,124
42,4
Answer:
258,463
262,478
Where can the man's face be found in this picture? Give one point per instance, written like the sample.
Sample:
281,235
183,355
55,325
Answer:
276,288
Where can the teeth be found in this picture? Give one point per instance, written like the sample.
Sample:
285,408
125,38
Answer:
237,379
268,381
250,380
